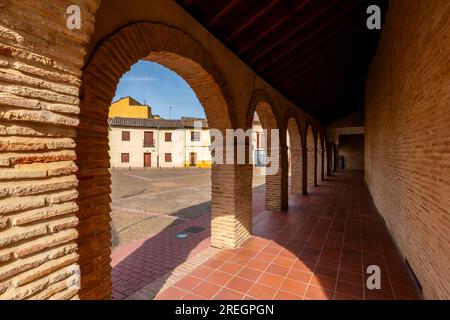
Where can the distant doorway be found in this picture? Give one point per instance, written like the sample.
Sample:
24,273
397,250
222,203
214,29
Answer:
147,160
193,159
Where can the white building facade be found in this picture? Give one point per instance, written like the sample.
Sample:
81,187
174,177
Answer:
161,143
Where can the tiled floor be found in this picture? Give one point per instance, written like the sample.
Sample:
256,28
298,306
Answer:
319,249
149,261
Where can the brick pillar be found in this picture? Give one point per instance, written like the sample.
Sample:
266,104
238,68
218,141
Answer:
311,166
277,184
319,165
296,171
94,239
231,204
304,171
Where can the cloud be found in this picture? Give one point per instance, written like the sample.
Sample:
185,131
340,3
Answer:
139,79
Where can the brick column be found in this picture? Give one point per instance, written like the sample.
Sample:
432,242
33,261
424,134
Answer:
319,165
231,204
277,184
304,171
311,167
296,171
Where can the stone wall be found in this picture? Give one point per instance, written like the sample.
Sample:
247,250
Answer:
407,121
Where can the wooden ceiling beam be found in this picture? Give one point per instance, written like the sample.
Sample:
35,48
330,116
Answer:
222,12
261,35
306,34
234,32
319,66
290,55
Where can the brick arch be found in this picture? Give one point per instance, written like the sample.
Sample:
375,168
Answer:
295,150
170,47
311,156
276,184
260,97
184,55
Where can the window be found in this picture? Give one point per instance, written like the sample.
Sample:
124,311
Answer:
195,135
257,140
125,157
125,135
168,137
148,139
168,157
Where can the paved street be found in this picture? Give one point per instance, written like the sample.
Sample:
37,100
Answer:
145,202
149,209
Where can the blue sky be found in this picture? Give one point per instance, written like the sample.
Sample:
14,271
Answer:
159,87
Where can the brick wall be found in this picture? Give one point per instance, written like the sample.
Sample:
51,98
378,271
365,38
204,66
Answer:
39,85
352,148
407,121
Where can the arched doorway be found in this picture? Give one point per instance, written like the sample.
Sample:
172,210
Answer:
180,53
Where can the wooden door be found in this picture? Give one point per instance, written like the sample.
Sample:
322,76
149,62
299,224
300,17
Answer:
192,159
147,160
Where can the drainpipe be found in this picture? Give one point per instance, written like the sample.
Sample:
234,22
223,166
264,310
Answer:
157,149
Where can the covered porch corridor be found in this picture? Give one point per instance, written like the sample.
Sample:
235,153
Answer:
319,249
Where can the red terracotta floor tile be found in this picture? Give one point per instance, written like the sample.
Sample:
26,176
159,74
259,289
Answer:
258,264
299,275
325,271
220,278
293,287
214,263
341,296
187,283
192,296
283,261
227,294
271,280
206,289
249,274
239,284
316,293
323,282
202,272
262,292
281,295
230,268
350,289
278,270
350,277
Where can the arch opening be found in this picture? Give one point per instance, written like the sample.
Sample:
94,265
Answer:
275,170
180,53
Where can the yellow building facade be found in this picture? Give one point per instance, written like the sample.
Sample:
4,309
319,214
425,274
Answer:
130,108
